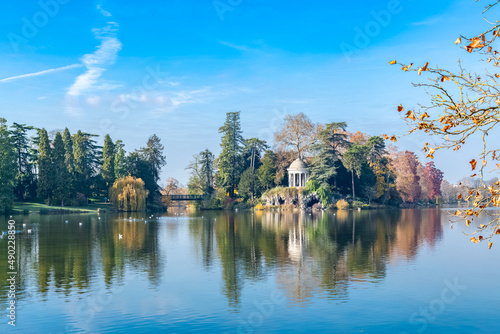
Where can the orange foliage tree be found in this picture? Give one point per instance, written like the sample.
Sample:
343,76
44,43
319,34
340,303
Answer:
464,104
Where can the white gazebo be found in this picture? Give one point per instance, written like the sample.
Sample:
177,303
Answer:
298,174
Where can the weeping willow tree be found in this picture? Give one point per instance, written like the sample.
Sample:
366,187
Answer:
128,194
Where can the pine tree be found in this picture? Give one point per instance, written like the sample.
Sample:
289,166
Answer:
353,160
120,165
108,158
45,167
206,160
249,184
7,168
62,179
81,164
69,159
25,178
332,140
230,162
267,171
152,154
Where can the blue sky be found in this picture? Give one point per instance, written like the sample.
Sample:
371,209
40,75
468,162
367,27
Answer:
175,68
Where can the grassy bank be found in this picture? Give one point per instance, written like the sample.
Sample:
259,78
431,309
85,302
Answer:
35,207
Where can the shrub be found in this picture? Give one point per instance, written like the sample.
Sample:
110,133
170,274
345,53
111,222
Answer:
357,204
259,207
342,204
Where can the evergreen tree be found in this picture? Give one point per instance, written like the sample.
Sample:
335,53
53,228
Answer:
267,171
138,167
108,158
120,167
332,140
353,160
152,154
81,164
45,168
229,162
207,171
62,180
25,178
69,159
249,185
253,151
7,168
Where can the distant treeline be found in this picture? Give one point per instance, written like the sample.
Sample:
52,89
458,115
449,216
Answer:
67,169
343,164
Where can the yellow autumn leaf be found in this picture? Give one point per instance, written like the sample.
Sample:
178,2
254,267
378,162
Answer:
490,244
458,41
400,108
393,62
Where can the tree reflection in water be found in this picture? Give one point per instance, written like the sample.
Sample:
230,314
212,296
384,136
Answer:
312,254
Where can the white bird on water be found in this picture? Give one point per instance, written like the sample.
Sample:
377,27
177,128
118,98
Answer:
120,236
24,225
29,231
66,221
80,224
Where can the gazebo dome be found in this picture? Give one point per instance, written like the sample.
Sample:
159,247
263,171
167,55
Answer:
298,165
298,174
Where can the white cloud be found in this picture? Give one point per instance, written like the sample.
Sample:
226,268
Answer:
96,63
93,100
235,46
35,74
429,22
102,11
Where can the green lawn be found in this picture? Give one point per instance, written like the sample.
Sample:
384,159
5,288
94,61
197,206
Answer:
35,207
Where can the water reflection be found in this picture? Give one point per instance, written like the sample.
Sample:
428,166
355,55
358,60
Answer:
71,254
306,255
311,255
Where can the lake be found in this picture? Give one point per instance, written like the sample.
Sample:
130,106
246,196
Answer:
387,271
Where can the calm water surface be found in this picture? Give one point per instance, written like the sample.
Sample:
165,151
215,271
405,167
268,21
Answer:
350,272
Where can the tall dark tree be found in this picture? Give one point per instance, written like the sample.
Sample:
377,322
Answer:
108,161
267,170
25,178
249,185
207,171
46,173
332,141
252,152
152,154
230,162
62,179
7,168
87,163
120,163
376,150
202,171
69,159
353,160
